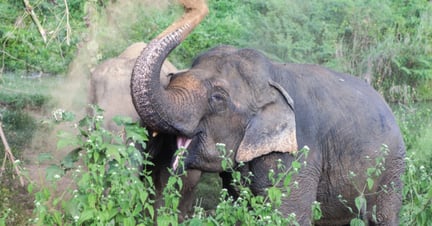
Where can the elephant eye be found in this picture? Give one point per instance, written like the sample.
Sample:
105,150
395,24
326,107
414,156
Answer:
218,101
217,97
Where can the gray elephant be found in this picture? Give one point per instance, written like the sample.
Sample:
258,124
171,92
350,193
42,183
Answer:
264,111
110,89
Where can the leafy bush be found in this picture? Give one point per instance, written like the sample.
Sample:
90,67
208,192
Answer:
417,193
106,173
107,189
415,122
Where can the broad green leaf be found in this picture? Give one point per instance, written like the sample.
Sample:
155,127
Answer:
275,196
114,151
129,221
370,183
195,222
30,188
296,165
72,157
68,116
91,198
357,222
360,201
122,120
87,214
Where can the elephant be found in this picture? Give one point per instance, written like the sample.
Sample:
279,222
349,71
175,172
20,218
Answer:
264,111
109,89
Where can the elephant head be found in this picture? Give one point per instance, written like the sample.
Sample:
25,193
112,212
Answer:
228,96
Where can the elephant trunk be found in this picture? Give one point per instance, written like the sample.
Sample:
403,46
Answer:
153,103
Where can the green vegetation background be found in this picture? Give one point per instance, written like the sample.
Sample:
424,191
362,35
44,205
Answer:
385,42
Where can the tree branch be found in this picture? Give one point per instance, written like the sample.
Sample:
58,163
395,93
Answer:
8,154
29,10
68,28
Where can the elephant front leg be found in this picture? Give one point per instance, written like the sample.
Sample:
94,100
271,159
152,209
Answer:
303,185
190,181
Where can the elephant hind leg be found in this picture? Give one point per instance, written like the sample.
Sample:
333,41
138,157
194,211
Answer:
389,198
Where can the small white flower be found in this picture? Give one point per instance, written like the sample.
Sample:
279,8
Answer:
17,161
76,218
57,176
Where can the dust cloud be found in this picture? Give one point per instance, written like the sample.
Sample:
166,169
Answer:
112,29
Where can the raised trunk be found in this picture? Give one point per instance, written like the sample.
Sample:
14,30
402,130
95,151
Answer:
153,103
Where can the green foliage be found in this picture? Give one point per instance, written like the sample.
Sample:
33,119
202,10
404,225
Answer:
415,123
413,120
107,191
107,188
18,124
385,42
23,48
12,202
19,127
250,209
417,193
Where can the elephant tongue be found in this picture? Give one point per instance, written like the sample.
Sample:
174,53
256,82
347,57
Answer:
182,143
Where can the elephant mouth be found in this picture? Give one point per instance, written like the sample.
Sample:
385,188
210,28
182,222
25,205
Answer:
182,145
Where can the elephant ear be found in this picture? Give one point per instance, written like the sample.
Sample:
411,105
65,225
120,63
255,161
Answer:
272,129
